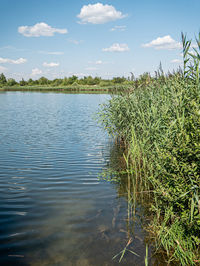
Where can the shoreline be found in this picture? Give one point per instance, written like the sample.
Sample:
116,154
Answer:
90,89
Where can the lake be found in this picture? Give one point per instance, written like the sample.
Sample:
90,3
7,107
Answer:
54,210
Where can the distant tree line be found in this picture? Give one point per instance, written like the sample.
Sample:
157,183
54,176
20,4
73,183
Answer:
66,81
141,81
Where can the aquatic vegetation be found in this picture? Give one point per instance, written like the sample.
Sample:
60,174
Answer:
125,250
159,120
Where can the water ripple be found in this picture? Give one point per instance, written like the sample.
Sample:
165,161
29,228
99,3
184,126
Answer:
51,154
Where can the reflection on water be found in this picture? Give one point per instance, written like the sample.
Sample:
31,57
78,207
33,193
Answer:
53,208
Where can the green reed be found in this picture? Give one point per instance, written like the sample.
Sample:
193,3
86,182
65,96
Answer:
159,120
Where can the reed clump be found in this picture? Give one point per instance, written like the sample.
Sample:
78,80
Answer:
159,120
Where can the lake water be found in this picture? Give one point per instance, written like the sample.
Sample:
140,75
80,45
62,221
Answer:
53,208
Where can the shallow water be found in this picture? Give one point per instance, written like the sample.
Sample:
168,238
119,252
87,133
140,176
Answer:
53,208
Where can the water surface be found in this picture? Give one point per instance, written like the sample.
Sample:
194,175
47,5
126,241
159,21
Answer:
53,208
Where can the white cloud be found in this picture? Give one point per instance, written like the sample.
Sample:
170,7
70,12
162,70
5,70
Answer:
11,61
91,68
99,14
52,64
75,41
98,62
3,69
10,47
39,29
164,43
117,47
176,61
190,51
78,74
194,45
118,28
7,47
51,53
36,71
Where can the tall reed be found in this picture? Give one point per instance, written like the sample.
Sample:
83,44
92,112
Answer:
159,121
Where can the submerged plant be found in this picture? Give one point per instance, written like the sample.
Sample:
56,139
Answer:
125,250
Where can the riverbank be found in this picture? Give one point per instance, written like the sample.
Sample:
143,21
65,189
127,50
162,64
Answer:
70,89
160,124
161,127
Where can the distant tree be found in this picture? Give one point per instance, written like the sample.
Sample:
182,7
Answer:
30,82
11,82
35,82
97,80
43,81
105,83
83,81
72,79
22,82
65,81
57,82
118,80
3,80
90,81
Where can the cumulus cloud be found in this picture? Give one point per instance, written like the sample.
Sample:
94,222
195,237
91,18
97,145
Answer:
11,61
118,28
117,47
52,64
40,29
98,62
164,43
36,71
176,61
3,69
99,14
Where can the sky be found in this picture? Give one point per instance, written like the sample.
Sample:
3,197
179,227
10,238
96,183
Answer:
61,38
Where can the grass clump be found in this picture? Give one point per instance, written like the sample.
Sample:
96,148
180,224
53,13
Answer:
160,124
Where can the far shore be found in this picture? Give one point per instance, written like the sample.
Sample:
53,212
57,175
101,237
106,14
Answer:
75,89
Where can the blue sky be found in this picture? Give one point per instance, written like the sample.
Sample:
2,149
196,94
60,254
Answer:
57,38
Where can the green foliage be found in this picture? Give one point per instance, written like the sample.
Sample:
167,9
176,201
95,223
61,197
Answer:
56,82
2,79
119,80
30,82
65,82
22,82
191,59
72,79
11,82
159,119
105,83
43,81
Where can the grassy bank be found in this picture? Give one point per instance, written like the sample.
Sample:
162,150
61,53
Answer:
69,89
160,124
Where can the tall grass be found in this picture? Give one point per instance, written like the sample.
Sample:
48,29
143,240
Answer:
159,121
